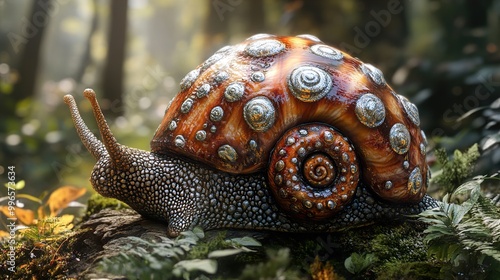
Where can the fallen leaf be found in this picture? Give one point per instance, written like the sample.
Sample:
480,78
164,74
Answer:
63,223
25,216
60,198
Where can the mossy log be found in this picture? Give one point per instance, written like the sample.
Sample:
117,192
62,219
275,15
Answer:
92,241
399,243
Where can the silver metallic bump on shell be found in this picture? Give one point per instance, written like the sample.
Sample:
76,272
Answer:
227,153
345,157
307,204
258,77
388,185
189,79
201,135
260,36
422,149
179,141
301,152
225,49
309,83
328,136
309,37
331,204
259,113
399,138
172,125
203,90
280,165
370,110
211,61
411,110
327,52
406,164
374,73
187,105
216,114
415,180
253,144
354,169
221,76
234,91
263,48
424,137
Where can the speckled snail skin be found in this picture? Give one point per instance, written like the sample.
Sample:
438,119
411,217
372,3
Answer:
276,133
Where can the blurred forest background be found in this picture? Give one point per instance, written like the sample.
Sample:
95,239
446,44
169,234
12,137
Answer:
443,55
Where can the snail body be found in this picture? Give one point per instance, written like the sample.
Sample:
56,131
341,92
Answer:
278,133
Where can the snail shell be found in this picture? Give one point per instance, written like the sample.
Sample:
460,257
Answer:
312,117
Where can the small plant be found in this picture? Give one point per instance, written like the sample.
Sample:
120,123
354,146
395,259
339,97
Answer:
167,258
357,263
275,267
467,235
454,172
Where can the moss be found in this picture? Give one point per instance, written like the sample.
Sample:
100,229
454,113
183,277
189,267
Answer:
209,244
409,270
43,258
392,245
98,202
276,266
455,171
403,244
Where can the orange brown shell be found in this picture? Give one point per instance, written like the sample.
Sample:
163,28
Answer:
233,108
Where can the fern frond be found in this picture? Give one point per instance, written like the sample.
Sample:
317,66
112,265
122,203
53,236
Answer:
467,232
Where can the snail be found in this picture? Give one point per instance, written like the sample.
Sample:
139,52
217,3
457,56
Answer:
275,133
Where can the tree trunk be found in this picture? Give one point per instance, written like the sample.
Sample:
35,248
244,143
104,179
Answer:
86,54
112,83
28,65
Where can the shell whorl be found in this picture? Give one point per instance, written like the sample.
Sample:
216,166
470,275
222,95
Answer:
313,171
234,107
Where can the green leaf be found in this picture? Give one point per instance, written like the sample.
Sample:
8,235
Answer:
29,197
246,241
198,231
357,263
224,253
18,186
208,266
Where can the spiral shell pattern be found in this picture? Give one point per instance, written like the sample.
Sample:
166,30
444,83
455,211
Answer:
370,110
259,113
313,172
327,51
309,83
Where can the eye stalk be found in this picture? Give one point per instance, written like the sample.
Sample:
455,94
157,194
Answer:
109,145
93,145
